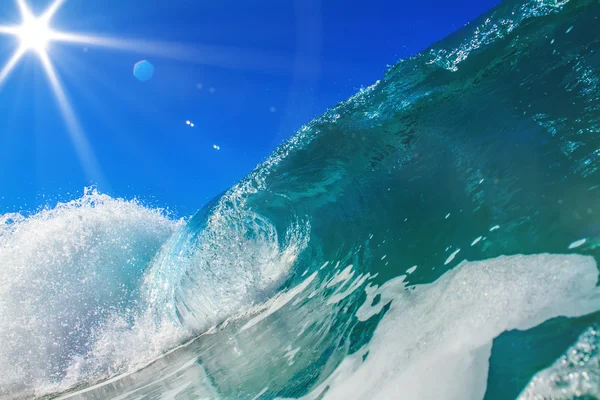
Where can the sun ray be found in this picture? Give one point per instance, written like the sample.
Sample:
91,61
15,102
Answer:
82,39
52,9
26,13
83,149
8,30
225,57
10,65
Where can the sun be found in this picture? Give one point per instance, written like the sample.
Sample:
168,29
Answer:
34,34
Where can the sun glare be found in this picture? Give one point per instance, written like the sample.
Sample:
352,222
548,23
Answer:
34,34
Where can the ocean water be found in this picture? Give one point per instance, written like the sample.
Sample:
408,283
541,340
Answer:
436,236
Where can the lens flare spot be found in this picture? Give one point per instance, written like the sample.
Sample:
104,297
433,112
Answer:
143,70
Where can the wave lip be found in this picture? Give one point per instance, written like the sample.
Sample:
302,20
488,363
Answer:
228,258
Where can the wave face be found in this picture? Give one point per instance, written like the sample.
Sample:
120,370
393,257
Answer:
337,269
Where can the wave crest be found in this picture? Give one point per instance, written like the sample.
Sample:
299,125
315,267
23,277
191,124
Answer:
64,272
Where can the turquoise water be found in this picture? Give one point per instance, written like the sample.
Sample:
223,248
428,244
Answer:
434,236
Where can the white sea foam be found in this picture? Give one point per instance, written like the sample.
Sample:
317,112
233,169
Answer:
445,329
341,276
577,244
276,303
574,375
451,257
345,290
65,273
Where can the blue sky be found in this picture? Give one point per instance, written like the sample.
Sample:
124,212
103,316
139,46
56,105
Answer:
246,74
